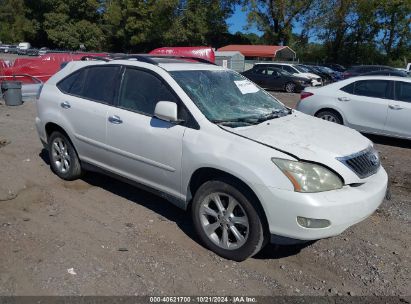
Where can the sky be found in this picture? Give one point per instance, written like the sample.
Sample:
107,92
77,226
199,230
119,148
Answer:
238,21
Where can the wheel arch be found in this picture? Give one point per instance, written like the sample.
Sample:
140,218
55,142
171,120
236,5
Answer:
204,174
50,127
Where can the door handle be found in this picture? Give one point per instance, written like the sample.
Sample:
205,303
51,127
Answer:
395,107
65,105
343,99
115,119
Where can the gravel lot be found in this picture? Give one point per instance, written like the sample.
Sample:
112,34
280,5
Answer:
98,236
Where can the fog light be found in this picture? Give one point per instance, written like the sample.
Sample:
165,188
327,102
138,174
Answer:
312,223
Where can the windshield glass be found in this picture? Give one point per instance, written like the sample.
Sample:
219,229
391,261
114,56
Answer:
226,96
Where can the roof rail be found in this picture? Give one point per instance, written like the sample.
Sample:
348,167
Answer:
202,60
148,58
138,57
88,57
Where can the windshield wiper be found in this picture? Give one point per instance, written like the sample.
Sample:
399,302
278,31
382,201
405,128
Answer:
253,120
274,114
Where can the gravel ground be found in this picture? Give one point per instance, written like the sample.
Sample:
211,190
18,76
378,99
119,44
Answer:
98,236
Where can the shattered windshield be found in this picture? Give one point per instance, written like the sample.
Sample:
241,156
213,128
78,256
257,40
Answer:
228,98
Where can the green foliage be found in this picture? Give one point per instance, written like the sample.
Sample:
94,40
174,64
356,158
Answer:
343,31
14,26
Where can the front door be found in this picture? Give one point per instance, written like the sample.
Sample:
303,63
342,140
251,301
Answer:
142,147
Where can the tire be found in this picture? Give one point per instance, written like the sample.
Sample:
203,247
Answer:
290,87
248,241
330,116
64,160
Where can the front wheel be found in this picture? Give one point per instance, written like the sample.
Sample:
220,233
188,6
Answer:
290,87
226,221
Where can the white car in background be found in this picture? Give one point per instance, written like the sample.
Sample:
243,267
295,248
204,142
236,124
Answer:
296,70
370,104
248,168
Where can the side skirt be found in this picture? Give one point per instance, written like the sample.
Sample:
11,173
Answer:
182,204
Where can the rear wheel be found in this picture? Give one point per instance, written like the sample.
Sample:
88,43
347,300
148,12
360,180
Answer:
226,221
290,87
63,157
330,116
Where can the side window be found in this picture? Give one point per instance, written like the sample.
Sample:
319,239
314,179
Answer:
348,88
141,91
78,84
272,72
403,91
259,71
101,83
373,88
289,69
73,84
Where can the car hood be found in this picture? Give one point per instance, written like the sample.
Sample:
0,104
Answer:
309,138
310,75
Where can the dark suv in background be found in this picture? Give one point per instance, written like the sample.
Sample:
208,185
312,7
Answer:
272,78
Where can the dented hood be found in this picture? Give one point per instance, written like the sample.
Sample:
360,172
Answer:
309,138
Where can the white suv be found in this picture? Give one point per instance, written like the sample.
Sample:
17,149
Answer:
249,169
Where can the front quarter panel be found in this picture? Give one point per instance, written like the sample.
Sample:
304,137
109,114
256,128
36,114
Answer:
218,149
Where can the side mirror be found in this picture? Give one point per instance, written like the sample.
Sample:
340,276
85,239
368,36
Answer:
166,110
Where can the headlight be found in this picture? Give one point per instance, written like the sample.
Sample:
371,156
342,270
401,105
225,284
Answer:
308,177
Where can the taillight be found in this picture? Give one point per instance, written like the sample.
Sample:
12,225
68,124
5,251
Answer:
39,91
305,95
346,75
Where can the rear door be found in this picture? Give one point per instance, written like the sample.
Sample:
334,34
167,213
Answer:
399,111
273,79
257,75
365,104
142,147
89,93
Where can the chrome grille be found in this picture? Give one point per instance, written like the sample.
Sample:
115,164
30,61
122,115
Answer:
364,163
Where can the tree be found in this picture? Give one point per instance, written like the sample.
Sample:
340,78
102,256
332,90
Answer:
14,26
275,18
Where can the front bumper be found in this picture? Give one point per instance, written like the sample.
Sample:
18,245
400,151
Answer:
343,208
316,83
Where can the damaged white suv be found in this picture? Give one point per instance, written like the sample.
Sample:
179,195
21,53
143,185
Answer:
250,169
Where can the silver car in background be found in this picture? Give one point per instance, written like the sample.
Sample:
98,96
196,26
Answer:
370,104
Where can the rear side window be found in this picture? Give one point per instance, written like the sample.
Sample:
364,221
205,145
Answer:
373,88
403,91
73,83
101,83
348,88
259,71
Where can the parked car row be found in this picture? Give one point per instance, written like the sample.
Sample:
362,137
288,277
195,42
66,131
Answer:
292,78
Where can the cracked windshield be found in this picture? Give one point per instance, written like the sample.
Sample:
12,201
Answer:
227,98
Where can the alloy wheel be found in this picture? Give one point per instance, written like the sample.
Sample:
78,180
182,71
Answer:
60,155
224,221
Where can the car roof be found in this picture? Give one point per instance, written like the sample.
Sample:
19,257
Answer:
380,77
276,63
164,63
